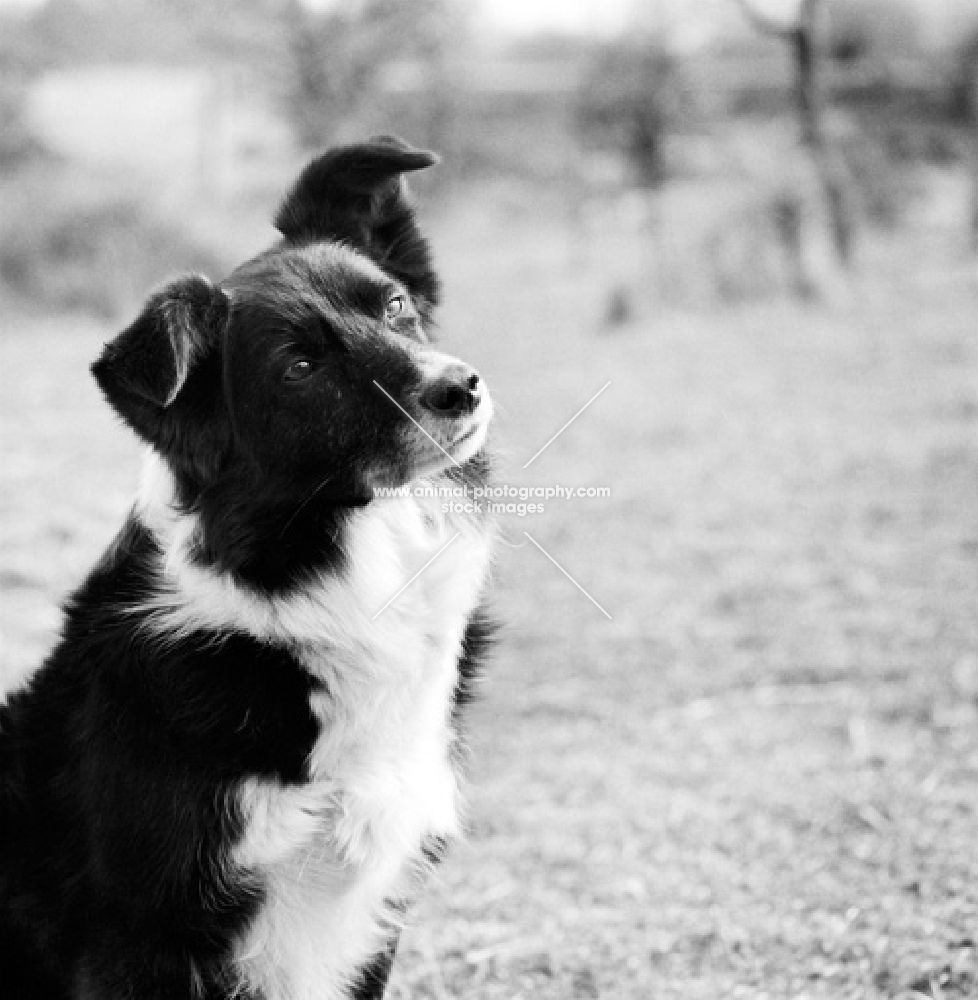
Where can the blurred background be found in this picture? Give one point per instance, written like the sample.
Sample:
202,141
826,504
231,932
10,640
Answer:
758,220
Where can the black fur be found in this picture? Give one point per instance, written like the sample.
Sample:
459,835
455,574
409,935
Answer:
118,763
480,634
356,195
373,979
120,759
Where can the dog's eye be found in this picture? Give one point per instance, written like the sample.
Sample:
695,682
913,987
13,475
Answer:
298,370
396,305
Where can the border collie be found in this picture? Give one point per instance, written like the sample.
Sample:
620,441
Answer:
230,775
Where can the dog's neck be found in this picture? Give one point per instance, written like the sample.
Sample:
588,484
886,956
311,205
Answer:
364,598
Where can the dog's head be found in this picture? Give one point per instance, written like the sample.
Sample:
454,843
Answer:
295,387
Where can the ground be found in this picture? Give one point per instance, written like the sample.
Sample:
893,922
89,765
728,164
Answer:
758,778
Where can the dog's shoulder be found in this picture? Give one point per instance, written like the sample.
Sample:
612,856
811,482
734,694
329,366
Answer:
117,689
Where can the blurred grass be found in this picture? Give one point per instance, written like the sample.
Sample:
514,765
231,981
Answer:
759,778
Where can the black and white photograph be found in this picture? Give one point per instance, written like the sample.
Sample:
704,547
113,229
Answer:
488,499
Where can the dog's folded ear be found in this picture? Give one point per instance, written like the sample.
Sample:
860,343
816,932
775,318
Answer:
356,194
143,370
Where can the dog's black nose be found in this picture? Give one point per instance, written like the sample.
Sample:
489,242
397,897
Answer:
453,393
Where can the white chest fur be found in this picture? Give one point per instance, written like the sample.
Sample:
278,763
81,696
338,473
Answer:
331,854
